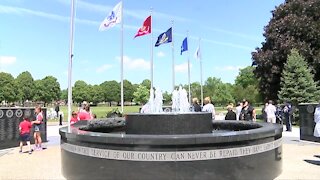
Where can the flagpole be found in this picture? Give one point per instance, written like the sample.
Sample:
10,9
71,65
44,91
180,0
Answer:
200,61
70,63
151,65
121,49
172,47
151,49
189,70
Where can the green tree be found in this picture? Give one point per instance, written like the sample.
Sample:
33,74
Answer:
128,90
47,90
64,95
167,98
111,91
219,92
295,24
246,86
146,83
246,77
80,91
8,88
25,86
141,95
95,94
195,89
297,84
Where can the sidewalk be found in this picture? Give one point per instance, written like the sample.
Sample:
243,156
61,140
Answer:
301,159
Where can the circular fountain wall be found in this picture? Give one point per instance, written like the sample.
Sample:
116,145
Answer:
231,150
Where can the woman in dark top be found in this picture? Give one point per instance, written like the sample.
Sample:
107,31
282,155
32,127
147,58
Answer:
195,104
248,113
230,114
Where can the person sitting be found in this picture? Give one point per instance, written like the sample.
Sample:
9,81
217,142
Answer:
74,118
195,105
230,114
208,107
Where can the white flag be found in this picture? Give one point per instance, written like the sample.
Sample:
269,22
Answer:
197,54
114,17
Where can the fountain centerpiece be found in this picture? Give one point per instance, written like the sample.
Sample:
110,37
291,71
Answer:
174,145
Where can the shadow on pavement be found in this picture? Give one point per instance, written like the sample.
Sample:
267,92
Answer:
314,162
317,156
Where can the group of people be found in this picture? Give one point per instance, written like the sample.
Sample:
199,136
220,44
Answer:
276,114
244,111
25,127
84,113
207,107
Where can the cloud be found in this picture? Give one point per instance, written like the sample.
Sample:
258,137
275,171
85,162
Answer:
228,68
66,19
182,68
103,68
7,60
135,13
135,64
23,11
161,54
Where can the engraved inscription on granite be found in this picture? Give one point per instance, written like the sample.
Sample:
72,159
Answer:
172,156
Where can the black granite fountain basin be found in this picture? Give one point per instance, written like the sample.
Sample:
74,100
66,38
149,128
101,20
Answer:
235,150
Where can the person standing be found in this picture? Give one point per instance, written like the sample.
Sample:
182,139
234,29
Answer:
287,116
271,112
86,114
238,110
24,131
248,113
208,107
195,105
316,132
230,114
264,114
37,128
57,109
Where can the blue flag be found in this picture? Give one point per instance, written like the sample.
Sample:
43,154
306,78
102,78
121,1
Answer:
165,37
184,46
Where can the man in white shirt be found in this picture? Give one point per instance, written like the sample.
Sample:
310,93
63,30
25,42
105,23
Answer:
271,112
238,110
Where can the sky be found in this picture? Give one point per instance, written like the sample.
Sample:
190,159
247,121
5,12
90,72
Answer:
35,37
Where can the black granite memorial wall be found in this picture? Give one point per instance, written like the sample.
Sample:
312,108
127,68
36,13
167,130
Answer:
9,125
307,124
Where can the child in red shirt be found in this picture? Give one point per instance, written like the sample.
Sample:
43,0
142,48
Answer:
24,128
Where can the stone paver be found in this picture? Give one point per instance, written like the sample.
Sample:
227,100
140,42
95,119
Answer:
301,159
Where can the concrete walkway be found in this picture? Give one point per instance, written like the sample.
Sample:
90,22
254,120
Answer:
301,159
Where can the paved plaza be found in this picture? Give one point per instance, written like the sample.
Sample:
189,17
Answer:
301,159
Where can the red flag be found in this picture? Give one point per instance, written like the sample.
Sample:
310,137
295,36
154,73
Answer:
146,27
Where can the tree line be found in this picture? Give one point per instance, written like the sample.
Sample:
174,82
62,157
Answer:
47,90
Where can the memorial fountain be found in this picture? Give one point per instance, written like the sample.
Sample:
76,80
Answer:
174,145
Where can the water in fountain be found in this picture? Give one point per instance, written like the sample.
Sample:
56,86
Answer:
179,101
